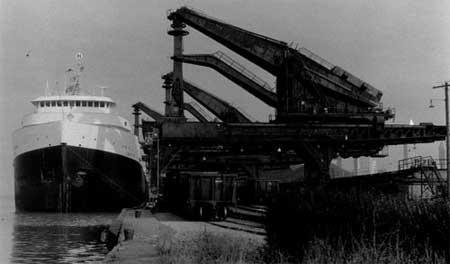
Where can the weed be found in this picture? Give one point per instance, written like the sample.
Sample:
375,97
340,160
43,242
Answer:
349,222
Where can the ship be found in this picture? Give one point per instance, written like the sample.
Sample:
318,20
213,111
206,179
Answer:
74,153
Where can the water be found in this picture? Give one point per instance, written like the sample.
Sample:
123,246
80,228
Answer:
50,237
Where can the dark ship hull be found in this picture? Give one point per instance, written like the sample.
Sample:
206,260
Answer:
75,179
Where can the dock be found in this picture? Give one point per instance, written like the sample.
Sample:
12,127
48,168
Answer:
143,237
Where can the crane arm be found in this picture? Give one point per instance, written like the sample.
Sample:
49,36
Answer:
158,117
264,51
195,112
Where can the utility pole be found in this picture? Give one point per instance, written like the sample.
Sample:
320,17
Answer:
447,141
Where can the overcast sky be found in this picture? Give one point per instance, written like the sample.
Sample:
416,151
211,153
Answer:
400,47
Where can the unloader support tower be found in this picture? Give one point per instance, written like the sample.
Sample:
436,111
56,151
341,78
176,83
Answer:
174,93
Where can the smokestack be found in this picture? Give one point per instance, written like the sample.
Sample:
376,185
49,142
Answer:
355,166
405,151
373,166
405,147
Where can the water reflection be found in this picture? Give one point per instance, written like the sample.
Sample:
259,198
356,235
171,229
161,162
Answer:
6,238
58,244
6,227
52,238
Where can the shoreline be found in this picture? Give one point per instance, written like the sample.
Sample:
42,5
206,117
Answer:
147,238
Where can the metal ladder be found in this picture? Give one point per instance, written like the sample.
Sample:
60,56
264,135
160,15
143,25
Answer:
430,178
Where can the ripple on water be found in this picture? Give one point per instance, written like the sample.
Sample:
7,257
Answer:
52,237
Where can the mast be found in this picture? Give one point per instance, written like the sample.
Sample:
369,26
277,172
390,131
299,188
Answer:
74,82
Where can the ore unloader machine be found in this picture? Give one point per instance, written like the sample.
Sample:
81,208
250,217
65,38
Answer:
322,110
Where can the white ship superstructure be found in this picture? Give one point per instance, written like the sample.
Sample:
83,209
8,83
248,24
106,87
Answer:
75,153
76,120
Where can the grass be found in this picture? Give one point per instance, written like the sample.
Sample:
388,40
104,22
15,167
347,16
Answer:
224,249
356,226
331,227
209,248
321,252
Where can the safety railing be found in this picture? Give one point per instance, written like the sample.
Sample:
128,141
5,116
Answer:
416,162
441,164
312,56
202,111
247,73
342,109
307,53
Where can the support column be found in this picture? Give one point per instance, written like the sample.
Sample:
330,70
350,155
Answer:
174,97
167,85
282,90
317,159
255,170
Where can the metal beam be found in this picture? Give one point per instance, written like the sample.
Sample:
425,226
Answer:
348,140
158,117
195,112
223,110
264,51
305,81
234,72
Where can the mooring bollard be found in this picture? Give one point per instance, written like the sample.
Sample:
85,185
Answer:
137,213
128,234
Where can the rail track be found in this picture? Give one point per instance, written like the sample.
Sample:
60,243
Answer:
240,225
248,219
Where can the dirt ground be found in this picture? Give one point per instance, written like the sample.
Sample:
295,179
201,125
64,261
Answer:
153,234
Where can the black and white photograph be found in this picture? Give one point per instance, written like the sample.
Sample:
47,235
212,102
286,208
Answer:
227,132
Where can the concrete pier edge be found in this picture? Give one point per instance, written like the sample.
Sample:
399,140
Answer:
140,237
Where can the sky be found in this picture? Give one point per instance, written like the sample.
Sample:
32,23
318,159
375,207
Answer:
401,47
